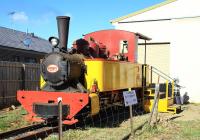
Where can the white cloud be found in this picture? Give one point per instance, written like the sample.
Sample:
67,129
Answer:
43,19
19,17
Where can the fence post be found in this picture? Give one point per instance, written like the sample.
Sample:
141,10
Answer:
23,76
60,118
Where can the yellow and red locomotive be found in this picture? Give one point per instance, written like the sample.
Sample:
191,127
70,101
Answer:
92,75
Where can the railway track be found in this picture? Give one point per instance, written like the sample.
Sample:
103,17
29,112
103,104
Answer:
32,132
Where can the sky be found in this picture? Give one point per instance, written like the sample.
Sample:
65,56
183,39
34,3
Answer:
39,16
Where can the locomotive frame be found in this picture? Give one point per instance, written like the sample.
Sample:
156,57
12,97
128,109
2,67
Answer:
104,65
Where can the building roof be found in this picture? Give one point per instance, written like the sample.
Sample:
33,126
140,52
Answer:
142,11
21,40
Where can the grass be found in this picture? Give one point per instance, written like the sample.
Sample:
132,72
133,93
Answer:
10,120
99,133
189,129
172,130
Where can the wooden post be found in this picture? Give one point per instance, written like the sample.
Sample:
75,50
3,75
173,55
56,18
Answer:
153,108
155,104
151,74
157,100
156,108
131,118
60,118
145,52
130,99
23,76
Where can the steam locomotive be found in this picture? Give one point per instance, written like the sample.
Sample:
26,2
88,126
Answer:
90,76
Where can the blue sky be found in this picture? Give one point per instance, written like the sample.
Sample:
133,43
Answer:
39,16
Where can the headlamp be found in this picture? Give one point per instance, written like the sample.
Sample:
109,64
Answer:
54,41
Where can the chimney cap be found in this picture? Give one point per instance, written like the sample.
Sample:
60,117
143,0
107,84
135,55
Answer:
64,17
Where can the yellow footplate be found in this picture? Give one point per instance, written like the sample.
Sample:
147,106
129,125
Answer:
174,109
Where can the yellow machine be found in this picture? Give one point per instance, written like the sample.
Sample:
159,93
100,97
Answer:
114,76
109,77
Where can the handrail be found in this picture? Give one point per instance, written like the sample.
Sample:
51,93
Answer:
159,72
160,75
166,77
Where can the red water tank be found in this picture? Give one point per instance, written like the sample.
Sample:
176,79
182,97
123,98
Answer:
117,42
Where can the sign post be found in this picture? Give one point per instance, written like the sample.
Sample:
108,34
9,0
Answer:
131,118
130,99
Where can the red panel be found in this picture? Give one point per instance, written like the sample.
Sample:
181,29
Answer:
76,101
112,38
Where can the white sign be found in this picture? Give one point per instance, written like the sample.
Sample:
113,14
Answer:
130,98
52,68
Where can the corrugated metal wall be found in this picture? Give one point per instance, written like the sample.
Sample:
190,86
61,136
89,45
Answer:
17,76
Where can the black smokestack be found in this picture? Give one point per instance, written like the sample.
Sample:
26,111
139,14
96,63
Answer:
63,31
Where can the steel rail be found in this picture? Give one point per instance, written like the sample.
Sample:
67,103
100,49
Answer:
29,132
